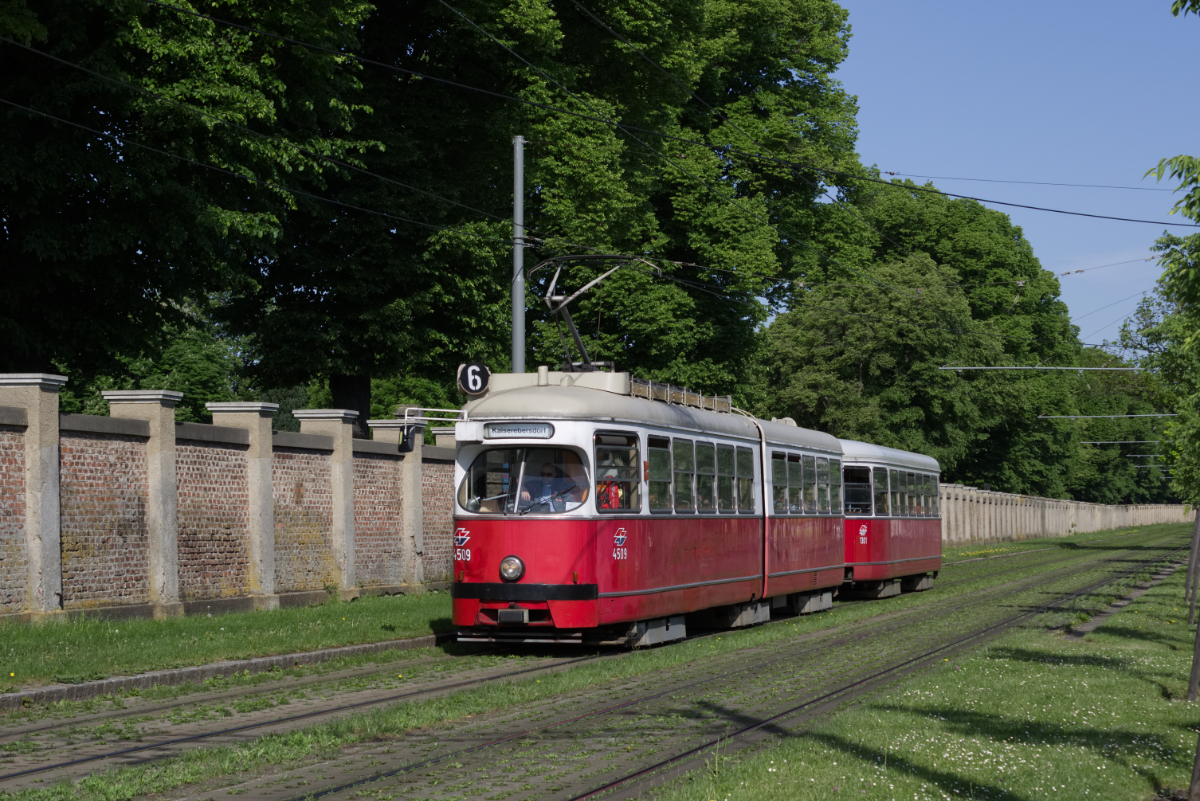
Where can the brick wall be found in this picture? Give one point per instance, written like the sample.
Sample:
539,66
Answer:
303,519
105,543
437,490
378,524
213,499
13,564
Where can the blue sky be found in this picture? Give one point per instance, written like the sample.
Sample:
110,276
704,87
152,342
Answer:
1072,92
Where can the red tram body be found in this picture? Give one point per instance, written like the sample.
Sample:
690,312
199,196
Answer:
584,513
893,527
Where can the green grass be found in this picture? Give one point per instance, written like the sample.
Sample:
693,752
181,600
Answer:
1033,715
325,740
82,649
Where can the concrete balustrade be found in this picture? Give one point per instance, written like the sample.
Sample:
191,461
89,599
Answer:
972,515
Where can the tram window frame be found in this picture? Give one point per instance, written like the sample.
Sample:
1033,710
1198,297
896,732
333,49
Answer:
810,485
928,496
726,479
835,486
878,493
746,496
683,463
898,493
779,484
856,472
658,466
630,475
706,477
822,485
795,484
937,494
912,493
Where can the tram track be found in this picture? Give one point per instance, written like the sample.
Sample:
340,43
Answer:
844,652
843,636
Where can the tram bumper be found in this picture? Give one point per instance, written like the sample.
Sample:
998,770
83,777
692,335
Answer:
520,605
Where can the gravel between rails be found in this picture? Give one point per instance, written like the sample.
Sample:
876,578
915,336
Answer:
562,747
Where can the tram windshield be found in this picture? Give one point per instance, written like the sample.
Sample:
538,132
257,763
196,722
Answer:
518,481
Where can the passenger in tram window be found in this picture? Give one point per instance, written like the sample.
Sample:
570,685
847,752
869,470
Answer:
779,487
725,479
618,473
559,485
706,477
810,485
795,485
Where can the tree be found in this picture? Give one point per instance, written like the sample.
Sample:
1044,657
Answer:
355,296
106,238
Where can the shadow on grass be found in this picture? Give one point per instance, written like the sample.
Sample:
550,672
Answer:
1046,657
1105,743
949,783
1124,631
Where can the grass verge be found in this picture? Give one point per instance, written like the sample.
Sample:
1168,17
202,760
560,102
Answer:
83,649
1034,715
323,741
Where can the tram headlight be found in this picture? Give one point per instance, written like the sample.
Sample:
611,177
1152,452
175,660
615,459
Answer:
511,568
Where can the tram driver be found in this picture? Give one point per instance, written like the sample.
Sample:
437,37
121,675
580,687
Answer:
554,489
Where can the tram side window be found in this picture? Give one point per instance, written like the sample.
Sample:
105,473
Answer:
898,500
795,485
725,478
881,492
685,467
937,486
706,477
779,485
618,483
928,495
835,486
912,495
658,454
822,486
810,485
745,480
858,490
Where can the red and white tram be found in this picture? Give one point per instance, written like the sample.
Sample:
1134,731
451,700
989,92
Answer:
585,514
893,524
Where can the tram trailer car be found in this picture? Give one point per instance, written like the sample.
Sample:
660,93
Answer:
893,523
585,514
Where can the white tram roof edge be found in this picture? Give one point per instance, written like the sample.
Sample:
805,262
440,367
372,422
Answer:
856,451
566,402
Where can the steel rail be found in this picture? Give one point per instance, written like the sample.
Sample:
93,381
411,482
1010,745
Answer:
822,647
716,742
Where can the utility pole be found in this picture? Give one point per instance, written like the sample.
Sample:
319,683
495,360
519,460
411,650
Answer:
518,281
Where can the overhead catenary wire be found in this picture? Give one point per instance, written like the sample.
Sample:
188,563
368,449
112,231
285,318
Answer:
626,126
1030,183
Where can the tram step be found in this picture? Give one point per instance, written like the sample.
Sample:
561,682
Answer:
916,583
659,630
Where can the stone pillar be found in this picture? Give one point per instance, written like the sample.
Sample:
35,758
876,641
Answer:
339,424
412,492
37,394
255,418
157,407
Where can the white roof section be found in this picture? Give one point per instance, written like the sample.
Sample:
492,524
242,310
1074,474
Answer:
583,403
856,451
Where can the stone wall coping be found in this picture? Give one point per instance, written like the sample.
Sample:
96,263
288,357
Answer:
161,396
382,448
203,432
432,453
94,424
43,380
243,407
343,415
309,442
13,416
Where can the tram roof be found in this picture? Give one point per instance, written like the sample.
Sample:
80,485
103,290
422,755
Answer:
581,403
856,451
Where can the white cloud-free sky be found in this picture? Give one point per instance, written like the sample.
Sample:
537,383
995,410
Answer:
1056,90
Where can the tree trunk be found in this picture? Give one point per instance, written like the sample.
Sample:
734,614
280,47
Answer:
1189,584
353,392
1194,788
1193,567
1194,679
